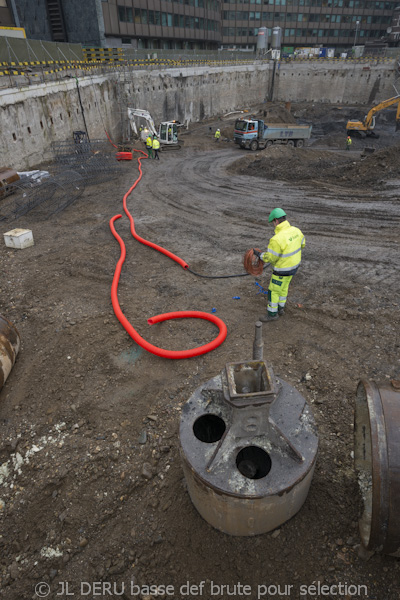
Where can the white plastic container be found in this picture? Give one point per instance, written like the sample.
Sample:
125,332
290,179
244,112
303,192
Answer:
18,238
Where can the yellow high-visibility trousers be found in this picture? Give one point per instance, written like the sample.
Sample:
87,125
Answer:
277,292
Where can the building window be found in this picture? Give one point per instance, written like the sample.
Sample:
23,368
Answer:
125,14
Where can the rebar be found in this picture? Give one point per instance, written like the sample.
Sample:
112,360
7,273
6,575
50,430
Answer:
47,197
95,161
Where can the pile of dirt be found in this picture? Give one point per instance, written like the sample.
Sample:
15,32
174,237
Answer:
287,163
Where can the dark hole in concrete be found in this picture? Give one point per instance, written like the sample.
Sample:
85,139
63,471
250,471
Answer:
250,380
209,428
253,462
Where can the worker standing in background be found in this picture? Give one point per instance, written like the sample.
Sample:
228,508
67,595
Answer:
156,147
217,135
284,254
149,146
349,141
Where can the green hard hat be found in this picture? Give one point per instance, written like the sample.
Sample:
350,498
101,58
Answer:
277,213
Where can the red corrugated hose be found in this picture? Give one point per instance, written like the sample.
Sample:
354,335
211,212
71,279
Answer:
173,354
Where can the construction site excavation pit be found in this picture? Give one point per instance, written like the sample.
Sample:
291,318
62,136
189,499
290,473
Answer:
100,494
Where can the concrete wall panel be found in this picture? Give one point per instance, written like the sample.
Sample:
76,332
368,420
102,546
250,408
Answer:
33,117
336,83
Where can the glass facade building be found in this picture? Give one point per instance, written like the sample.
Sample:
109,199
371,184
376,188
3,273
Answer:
335,23
179,24
206,24
211,24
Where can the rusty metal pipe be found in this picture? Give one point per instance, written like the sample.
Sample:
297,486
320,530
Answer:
377,463
258,345
10,342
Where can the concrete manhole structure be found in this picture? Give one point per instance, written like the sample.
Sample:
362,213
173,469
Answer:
248,447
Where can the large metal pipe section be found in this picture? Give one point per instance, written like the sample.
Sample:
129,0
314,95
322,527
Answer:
248,448
377,462
10,342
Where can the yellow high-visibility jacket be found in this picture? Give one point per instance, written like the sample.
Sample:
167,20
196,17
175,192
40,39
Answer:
149,142
156,144
284,249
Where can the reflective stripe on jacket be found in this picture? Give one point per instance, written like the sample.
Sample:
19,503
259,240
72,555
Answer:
156,144
284,249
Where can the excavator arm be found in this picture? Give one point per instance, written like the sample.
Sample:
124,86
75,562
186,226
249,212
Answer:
385,104
366,127
167,135
137,112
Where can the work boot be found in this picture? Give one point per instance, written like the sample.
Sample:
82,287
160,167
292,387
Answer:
281,310
268,317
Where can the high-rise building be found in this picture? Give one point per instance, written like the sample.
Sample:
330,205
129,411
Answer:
163,24
204,24
335,23
6,16
73,21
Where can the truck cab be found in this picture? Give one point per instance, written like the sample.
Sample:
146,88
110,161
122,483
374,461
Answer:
248,131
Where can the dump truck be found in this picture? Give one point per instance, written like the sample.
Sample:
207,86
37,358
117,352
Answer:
254,134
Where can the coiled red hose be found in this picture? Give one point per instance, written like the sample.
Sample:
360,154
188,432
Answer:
174,354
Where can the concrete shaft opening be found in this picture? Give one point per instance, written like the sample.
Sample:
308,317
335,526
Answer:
253,462
209,428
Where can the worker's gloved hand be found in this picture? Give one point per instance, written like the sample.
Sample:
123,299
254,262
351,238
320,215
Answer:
256,253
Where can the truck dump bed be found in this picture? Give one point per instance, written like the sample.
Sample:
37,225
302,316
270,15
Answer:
256,135
285,130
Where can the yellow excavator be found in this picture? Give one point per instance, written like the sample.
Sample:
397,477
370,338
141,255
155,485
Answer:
366,127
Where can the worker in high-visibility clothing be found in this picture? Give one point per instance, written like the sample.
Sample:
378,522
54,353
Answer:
349,141
156,147
217,135
149,146
284,254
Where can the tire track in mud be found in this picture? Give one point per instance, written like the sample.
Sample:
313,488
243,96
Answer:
351,238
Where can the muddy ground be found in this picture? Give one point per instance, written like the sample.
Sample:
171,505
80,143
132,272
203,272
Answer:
93,498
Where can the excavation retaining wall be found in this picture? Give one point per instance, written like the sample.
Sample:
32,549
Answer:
33,117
